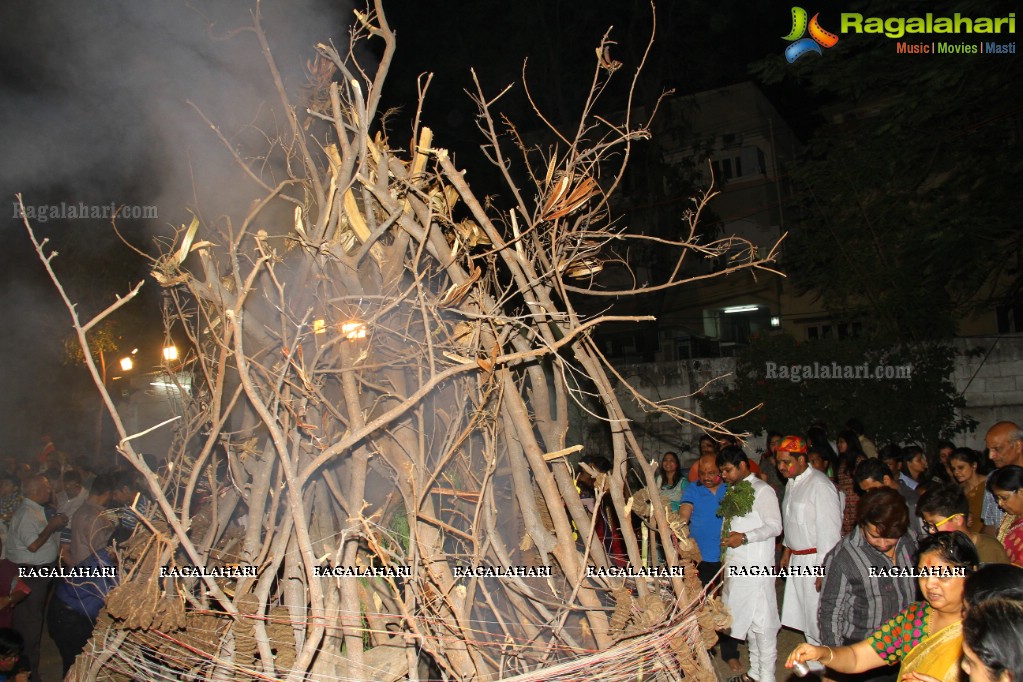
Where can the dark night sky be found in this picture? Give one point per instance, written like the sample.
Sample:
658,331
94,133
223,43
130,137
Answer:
93,109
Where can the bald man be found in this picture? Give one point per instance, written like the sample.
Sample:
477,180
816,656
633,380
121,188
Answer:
33,542
1004,442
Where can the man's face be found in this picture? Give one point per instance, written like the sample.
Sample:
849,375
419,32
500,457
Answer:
121,496
869,484
710,475
733,474
874,539
72,488
815,460
936,523
42,492
1003,448
790,465
708,447
895,464
916,466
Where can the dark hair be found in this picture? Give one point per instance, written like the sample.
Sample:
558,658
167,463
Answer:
992,581
733,455
871,470
104,483
856,425
817,438
709,438
598,462
770,436
994,630
890,451
126,479
13,479
72,476
945,444
678,469
53,473
886,510
910,452
955,548
968,455
1009,479
854,451
943,500
11,642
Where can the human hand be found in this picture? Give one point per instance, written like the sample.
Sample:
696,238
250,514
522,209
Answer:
786,556
57,522
918,677
818,583
733,540
804,652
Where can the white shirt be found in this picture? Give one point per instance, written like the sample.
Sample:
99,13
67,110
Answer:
69,505
812,513
910,483
761,526
27,523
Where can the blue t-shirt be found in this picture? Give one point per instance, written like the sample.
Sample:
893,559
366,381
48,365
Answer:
705,524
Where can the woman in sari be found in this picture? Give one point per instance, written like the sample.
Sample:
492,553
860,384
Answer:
925,638
1006,484
964,463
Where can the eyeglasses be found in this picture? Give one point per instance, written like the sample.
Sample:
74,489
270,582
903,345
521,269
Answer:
932,528
1004,497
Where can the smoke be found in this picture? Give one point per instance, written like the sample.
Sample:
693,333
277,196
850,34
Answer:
95,101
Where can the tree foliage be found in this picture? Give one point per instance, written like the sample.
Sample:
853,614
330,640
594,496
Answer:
906,197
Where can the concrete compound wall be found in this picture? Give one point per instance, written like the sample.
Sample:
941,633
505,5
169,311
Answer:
988,371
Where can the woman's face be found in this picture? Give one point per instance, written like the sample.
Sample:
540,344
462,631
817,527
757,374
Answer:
669,463
772,445
1011,501
944,591
962,470
974,669
843,446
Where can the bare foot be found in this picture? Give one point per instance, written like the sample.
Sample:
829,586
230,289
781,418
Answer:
735,665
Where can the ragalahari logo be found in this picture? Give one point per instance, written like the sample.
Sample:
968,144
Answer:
818,36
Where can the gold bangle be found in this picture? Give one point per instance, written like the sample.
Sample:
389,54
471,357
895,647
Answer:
831,655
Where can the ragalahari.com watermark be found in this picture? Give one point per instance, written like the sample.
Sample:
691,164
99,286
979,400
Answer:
42,213
818,370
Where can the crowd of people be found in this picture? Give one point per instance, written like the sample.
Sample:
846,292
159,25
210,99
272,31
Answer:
889,557
57,514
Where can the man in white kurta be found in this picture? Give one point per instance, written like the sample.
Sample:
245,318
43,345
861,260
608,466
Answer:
748,554
812,514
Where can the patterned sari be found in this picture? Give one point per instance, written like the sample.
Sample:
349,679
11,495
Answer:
905,638
1013,542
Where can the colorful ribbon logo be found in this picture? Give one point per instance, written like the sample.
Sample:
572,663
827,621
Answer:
818,36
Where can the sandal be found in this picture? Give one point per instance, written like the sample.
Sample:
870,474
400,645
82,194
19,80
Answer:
741,678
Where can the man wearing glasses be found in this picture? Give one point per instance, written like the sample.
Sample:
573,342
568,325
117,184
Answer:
945,509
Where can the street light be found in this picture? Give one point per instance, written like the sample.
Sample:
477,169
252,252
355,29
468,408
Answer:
170,353
126,364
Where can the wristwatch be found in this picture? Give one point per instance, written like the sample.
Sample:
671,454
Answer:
745,539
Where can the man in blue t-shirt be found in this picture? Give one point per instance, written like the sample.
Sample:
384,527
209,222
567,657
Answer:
699,508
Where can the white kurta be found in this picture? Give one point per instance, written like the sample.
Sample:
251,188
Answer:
751,599
812,512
